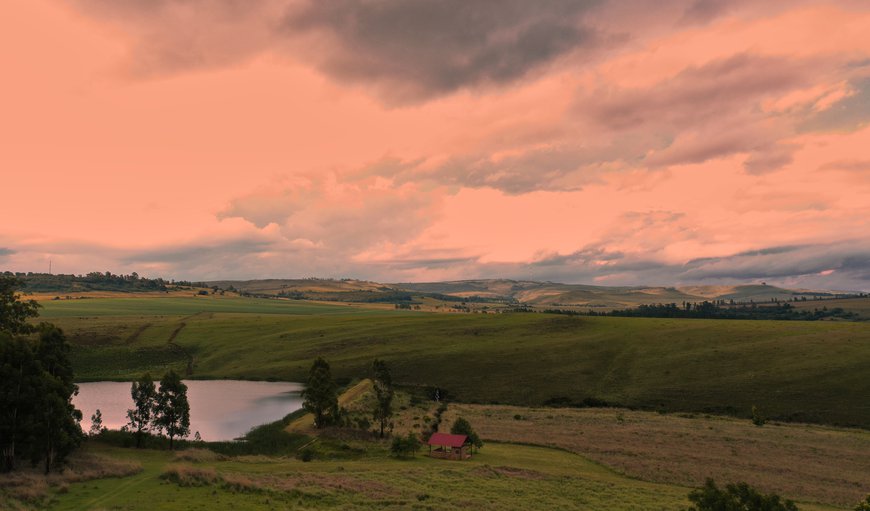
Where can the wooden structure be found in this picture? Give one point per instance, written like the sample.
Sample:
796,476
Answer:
449,447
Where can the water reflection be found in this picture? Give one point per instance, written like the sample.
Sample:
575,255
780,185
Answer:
219,409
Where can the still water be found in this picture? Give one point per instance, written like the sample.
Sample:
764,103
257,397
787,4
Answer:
219,409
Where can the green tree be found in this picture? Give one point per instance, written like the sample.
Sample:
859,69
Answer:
172,413
15,312
383,386
463,427
320,396
57,430
864,505
140,417
736,497
20,383
405,446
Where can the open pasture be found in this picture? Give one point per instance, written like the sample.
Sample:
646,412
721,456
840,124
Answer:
791,370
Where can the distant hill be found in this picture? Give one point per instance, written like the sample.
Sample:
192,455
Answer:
556,294
506,291
496,292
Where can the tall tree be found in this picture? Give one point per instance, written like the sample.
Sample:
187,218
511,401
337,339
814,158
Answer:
20,382
58,431
383,387
173,411
15,312
320,396
139,418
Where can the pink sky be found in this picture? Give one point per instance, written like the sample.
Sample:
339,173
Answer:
697,141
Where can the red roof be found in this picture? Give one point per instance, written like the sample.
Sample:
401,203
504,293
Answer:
444,439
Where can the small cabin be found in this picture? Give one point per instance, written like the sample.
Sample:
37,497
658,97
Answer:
449,447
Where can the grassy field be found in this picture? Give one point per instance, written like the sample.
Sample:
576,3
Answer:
358,474
502,477
805,371
804,462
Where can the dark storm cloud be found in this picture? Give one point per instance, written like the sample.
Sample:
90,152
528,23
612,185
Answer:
422,48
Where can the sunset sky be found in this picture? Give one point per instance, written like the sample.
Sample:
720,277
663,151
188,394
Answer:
600,142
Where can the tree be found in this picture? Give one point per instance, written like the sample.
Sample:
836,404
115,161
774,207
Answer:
383,386
57,430
736,497
864,505
463,427
96,423
405,446
20,382
15,312
139,417
172,413
320,396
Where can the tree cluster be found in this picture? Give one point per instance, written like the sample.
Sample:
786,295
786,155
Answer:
38,421
718,310
736,497
159,410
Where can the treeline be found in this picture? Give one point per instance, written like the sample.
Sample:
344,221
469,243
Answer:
711,310
38,422
95,281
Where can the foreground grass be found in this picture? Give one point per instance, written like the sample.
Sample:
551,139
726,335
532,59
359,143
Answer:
503,477
791,370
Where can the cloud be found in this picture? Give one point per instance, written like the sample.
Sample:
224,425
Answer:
423,48
840,266
848,165
341,215
848,114
6,251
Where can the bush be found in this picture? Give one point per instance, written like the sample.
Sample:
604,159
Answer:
405,446
757,418
864,505
736,497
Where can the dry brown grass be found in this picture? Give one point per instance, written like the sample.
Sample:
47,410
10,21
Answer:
29,487
805,462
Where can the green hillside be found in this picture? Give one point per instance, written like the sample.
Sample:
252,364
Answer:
808,371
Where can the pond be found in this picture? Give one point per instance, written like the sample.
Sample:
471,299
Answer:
219,409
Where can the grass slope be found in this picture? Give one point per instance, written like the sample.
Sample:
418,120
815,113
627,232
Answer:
807,371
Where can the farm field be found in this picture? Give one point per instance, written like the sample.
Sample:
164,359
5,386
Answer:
801,371
805,462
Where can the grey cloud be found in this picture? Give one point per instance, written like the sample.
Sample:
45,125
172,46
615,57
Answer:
6,251
794,266
424,48
769,159
849,165
699,92
849,113
198,252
